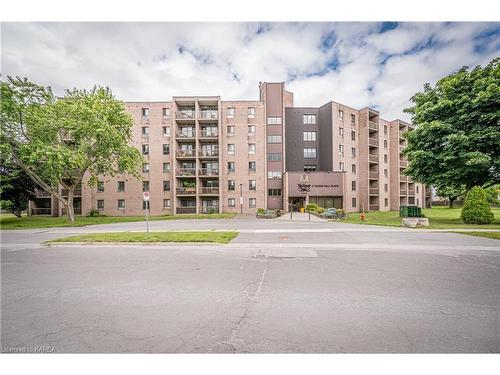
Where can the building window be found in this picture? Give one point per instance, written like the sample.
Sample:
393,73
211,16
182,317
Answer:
100,204
353,135
230,131
121,204
231,185
251,149
385,158
274,192
166,204
309,153
166,131
309,119
341,133
274,139
100,186
309,136
145,205
309,168
341,150
165,113
353,119
353,152
353,202
252,202
385,172
386,202
251,130
251,112
231,166
252,185
145,131
230,112
121,186
341,166
166,149
166,167
231,202
145,113
145,185
145,149
385,129
385,144
273,120
353,185
416,187
274,174
230,149
386,188
145,167
252,166
274,157
353,168
341,114
166,185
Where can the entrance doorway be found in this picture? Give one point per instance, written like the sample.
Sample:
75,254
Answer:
296,203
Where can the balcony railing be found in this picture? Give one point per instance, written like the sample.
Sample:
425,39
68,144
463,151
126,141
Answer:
209,134
374,191
403,178
209,209
76,192
206,153
185,172
374,207
42,194
186,209
209,190
373,175
185,153
403,163
185,191
208,172
403,192
209,114
373,158
77,211
373,125
185,114
411,192
41,211
373,142
190,134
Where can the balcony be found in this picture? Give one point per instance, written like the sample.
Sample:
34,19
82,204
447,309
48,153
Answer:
208,153
403,163
185,172
373,142
209,114
209,190
373,126
209,209
77,211
403,192
411,192
184,135
401,133
208,172
403,178
185,209
185,114
374,207
185,191
374,191
373,175
373,158
209,134
76,192
42,194
41,211
185,153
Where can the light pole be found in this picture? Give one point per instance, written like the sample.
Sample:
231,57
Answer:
241,198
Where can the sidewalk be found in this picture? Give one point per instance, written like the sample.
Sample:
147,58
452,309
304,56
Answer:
297,216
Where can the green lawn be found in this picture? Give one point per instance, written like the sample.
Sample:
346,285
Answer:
201,236
11,222
493,235
439,218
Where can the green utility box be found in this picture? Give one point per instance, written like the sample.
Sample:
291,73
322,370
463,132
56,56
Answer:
410,211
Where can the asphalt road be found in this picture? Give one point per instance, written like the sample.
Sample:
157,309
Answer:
281,286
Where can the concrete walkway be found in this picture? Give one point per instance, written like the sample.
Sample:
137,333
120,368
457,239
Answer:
297,216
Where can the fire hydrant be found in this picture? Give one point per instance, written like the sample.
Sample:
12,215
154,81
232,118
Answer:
362,216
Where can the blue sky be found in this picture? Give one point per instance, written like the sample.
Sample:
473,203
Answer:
359,64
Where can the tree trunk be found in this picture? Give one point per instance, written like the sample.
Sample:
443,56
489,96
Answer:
451,200
70,209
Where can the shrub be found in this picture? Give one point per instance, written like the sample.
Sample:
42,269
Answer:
260,211
476,208
311,207
93,213
320,210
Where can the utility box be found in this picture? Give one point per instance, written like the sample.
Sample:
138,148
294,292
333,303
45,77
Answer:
410,211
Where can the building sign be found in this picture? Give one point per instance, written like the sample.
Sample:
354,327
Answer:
304,186
321,184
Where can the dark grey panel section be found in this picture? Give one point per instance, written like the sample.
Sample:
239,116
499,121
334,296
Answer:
295,143
325,139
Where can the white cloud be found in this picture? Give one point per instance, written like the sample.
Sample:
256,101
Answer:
360,66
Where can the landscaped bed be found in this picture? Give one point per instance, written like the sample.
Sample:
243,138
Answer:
173,236
27,222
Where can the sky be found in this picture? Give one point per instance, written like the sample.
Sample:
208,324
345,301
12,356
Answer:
380,65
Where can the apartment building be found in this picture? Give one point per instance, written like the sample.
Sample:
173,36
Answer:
206,155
